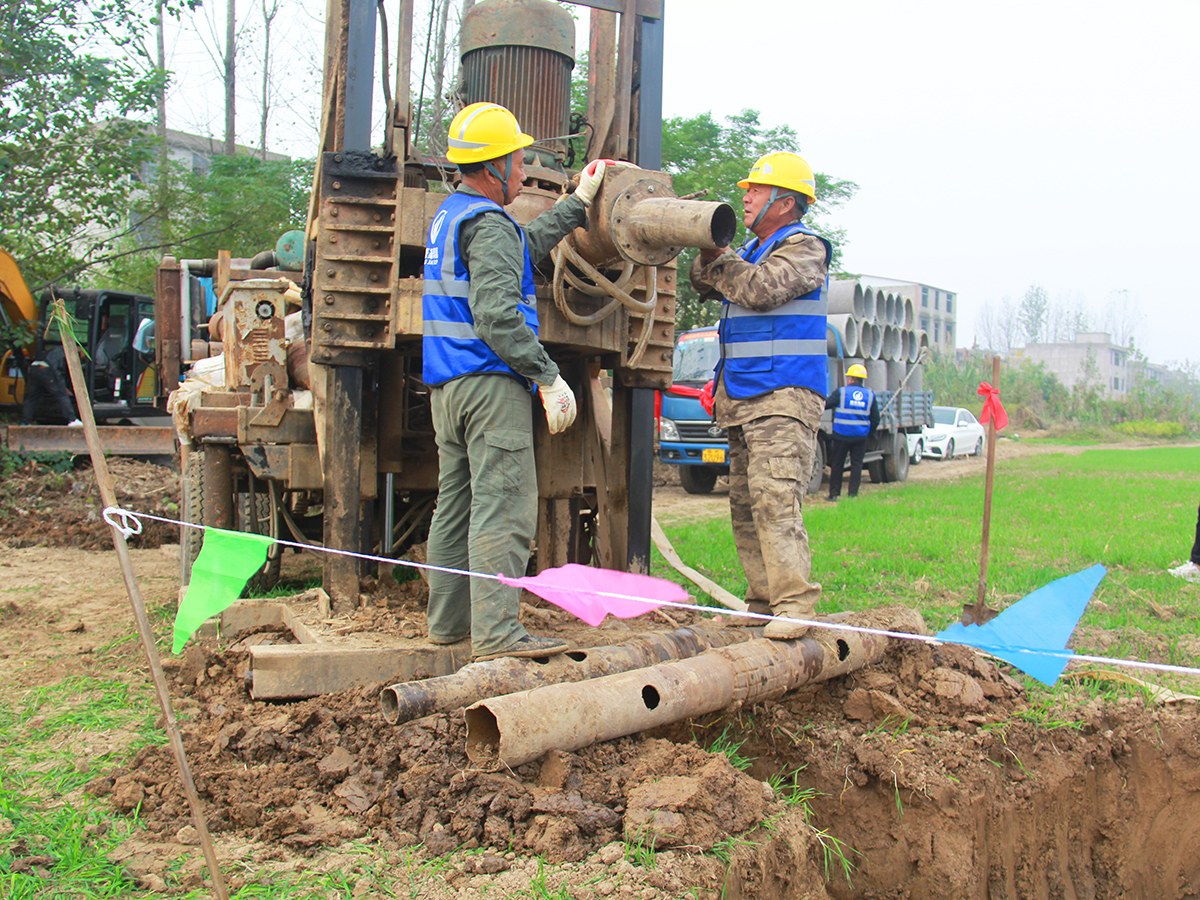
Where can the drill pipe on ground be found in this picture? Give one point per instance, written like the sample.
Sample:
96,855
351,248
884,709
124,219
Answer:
517,728
413,699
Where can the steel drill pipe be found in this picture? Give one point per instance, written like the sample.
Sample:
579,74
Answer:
413,699
637,218
518,728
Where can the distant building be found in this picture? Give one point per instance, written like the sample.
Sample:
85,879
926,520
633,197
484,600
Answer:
935,310
196,153
1091,358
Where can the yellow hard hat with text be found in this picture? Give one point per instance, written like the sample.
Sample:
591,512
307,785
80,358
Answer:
484,131
785,170
856,371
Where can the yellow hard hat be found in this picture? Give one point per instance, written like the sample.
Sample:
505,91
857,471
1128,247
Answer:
484,131
785,170
856,371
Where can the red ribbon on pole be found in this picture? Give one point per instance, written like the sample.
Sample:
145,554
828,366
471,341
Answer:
992,406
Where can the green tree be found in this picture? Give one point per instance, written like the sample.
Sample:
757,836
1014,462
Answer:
70,75
241,204
703,154
1033,312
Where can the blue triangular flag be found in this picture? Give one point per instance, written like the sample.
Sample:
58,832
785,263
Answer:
1041,621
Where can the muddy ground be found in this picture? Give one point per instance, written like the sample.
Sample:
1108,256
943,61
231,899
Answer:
924,771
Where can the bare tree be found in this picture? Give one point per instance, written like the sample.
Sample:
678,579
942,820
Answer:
1122,317
269,13
230,76
999,325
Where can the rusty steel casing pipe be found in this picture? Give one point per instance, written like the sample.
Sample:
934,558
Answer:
518,728
406,701
637,218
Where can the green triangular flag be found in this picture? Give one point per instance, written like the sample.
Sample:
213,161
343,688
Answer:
226,562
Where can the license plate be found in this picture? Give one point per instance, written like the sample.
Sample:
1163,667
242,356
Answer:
712,456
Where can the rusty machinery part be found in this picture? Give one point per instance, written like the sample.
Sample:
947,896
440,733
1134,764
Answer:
298,500
520,53
269,392
355,258
637,217
517,728
413,699
253,328
566,252
620,297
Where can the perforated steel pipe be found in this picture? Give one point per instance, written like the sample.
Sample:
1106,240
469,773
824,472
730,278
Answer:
517,728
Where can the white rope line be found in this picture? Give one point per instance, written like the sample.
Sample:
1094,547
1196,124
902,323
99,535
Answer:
112,513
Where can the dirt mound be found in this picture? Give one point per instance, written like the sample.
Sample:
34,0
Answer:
926,775
42,506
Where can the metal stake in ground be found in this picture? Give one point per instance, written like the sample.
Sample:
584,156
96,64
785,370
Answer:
108,498
979,613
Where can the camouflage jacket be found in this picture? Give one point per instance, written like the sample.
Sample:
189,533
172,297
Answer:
796,267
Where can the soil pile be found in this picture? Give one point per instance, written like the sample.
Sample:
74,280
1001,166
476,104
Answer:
44,506
929,774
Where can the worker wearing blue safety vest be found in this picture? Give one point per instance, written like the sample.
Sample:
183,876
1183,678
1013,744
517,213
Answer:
483,364
768,390
855,416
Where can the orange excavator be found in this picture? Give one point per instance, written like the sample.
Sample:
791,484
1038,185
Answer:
116,331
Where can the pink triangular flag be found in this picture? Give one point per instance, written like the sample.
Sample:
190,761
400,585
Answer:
590,594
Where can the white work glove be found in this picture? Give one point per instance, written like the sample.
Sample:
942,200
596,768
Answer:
591,178
559,401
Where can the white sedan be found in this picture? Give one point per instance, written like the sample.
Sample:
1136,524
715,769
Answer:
955,432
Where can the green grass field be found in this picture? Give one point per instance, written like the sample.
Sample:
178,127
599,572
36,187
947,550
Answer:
918,544
915,544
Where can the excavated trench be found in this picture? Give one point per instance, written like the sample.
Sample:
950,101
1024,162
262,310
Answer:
931,774
1108,807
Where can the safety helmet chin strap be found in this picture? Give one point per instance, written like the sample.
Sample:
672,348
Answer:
503,178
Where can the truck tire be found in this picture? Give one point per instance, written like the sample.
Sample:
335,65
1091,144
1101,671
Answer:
818,469
895,463
697,479
208,498
876,471
266,521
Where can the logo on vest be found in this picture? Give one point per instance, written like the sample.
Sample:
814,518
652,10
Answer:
432,255
435,229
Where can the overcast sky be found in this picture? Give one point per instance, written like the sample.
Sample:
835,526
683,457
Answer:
996,145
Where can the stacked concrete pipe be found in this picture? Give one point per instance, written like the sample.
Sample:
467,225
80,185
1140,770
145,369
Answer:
847,328
877,373
846,296
869,305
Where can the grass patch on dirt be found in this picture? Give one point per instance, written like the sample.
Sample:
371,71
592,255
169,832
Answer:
917,544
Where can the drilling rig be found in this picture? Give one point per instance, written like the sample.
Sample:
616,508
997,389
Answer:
363,456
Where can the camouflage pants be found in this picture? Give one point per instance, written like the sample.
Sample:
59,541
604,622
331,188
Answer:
769,463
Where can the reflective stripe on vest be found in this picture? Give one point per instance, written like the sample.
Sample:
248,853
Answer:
852,417
449,344
783,347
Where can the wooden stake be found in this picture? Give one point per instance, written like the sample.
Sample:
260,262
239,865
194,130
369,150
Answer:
109,498
980,614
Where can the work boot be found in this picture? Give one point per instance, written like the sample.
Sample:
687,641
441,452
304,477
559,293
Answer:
778,630
832,498
528,647
762,607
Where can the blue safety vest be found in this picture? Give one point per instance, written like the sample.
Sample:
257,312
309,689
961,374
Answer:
449,344
785,347
852,417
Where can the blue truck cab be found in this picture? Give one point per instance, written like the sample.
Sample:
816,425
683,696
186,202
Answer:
687,435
